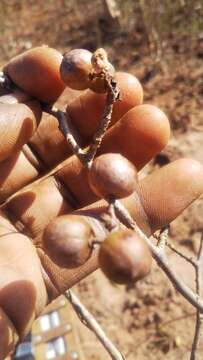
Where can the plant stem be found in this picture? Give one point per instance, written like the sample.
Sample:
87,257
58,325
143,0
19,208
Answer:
88,320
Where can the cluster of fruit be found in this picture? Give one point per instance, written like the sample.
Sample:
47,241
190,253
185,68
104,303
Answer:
123,256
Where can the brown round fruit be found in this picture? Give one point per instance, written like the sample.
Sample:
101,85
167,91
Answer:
75,68
112,175
124,257
66,241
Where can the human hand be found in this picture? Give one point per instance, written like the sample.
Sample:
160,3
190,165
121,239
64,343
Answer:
41,180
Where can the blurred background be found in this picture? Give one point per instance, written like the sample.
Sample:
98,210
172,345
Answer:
160,42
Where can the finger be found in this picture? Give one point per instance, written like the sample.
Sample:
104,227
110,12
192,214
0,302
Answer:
189,179
18,96
36,71
49,145
17,124
139,136
23,166
85,112
17,171
168,191
34,207
22,290
71,176
163,196
67,96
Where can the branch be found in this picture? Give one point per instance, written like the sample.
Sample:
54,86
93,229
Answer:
184,256
163,238
112,96
199,290
89,321
159,256
124,217
86,157
64,127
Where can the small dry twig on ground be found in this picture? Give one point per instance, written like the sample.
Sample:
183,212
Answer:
89,321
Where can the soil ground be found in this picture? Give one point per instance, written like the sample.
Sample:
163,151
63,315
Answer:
149,320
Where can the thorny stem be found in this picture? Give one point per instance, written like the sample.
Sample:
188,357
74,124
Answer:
88,320
102,70
86,157
163,238
112,96
199,290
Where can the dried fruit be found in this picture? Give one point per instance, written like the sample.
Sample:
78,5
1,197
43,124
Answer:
101,68
124,257
98,83
66,240
75,68
112,175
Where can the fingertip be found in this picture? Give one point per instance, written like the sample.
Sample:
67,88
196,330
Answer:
131,93
154,124
36,71
189,173
169,190
190,166
87,109
153,130
139,135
